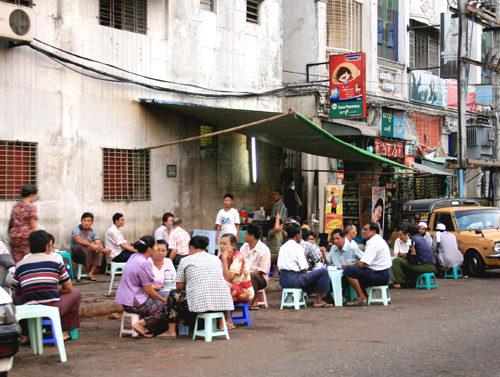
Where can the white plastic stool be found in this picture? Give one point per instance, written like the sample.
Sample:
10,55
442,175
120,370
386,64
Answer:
134,318
298,298
116,268
210,326
34,315
262,299
79,274
372,295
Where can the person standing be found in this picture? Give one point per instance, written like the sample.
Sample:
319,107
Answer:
165,229
120,250
86,247
24,221
279,207
228,220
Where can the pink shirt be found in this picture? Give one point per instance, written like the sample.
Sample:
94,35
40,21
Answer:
159,274
179,240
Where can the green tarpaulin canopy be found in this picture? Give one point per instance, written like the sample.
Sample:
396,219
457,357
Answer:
293,131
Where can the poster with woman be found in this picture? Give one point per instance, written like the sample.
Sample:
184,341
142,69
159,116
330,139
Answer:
333,208
378,206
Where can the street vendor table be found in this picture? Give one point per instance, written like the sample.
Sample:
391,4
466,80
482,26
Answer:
336,279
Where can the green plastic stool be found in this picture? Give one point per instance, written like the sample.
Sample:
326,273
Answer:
67,255
454,272
372,294
210,326
293,297
73,333
424,281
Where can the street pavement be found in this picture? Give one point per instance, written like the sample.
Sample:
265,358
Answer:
449,331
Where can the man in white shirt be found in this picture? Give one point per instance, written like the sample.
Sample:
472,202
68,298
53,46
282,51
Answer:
114,241
373,269
228,220
293,266
350,234
402,243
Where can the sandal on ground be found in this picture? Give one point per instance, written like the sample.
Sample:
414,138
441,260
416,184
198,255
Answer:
356,302
166,337
91,278
325,305
256,307
231,326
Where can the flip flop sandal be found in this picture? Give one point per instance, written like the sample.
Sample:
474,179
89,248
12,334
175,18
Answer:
357,302
257,307
231,327
92,278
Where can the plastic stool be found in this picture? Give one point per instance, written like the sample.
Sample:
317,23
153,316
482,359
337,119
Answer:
454,272
79,274
372,294
297,298
271,270
67,255
34,315
352,293
245,313
46,338
183,330
262,298
210,326
133,319
116,268
424,281
73,333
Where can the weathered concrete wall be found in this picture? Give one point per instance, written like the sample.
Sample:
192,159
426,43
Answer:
72,117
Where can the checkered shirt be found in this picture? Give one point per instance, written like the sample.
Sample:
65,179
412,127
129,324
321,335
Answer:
312,251
179,240
206,288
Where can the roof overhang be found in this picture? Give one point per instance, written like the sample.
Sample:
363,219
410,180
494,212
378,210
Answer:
293,132
431,170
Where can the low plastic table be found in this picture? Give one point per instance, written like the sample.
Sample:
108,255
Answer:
336,279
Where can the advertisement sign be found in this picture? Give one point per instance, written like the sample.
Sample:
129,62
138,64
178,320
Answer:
347,85
449,46
484,94
393,123
378,206
452,97
429,89
410,161
389,148
333,209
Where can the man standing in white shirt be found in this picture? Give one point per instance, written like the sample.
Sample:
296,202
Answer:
373,269
114,241
228,220
293,266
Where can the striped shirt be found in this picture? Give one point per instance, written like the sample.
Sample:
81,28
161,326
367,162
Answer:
37,277
279,207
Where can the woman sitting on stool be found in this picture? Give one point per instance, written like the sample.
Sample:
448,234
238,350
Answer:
236,273
163,267
200,287
136,292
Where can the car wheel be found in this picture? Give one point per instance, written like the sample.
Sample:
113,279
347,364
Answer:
474,264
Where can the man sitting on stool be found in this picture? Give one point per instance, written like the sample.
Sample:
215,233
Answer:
446,249
293,268
373,269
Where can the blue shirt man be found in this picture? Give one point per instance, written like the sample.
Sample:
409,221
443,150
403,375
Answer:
342,252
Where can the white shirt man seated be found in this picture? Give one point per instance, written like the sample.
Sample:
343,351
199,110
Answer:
121,251
446,245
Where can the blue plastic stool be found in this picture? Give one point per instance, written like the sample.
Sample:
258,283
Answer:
271,270
454,272
297,299
245,313
183,330
49,339
424,281
211,329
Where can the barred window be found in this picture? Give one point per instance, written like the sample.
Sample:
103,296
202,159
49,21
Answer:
130,15
126,175
424,48
25,3
253,11
207,5
18,167
343,25
208,142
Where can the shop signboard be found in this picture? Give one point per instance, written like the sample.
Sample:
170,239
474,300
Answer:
449,46
347,85
389,148
428,88
393,123
410,161
333,209
484,94
378,206
410,149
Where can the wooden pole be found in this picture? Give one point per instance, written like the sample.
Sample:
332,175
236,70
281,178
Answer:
290,112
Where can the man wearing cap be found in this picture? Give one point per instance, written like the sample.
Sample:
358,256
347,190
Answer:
446,248
422,229
404,272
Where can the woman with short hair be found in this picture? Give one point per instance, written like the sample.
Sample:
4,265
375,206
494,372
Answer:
162,266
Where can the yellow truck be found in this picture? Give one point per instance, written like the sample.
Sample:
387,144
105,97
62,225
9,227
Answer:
477,231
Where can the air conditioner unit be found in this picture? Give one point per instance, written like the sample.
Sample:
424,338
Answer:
16,23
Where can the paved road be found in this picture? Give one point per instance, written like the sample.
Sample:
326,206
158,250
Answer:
450,331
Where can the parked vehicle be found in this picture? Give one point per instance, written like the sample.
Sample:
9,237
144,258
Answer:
10,331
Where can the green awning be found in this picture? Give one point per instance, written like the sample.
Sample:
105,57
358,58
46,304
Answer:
293,132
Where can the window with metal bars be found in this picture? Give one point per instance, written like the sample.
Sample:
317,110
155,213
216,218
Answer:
126,175
424,48
129,15
387,29
253,11
207,5
24,3
343,25
207,142
18,167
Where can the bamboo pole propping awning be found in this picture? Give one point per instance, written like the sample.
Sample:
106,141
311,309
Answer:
287,130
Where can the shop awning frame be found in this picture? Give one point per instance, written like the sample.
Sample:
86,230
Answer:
428,169
293,131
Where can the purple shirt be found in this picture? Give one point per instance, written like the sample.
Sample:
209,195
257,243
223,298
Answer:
137,273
